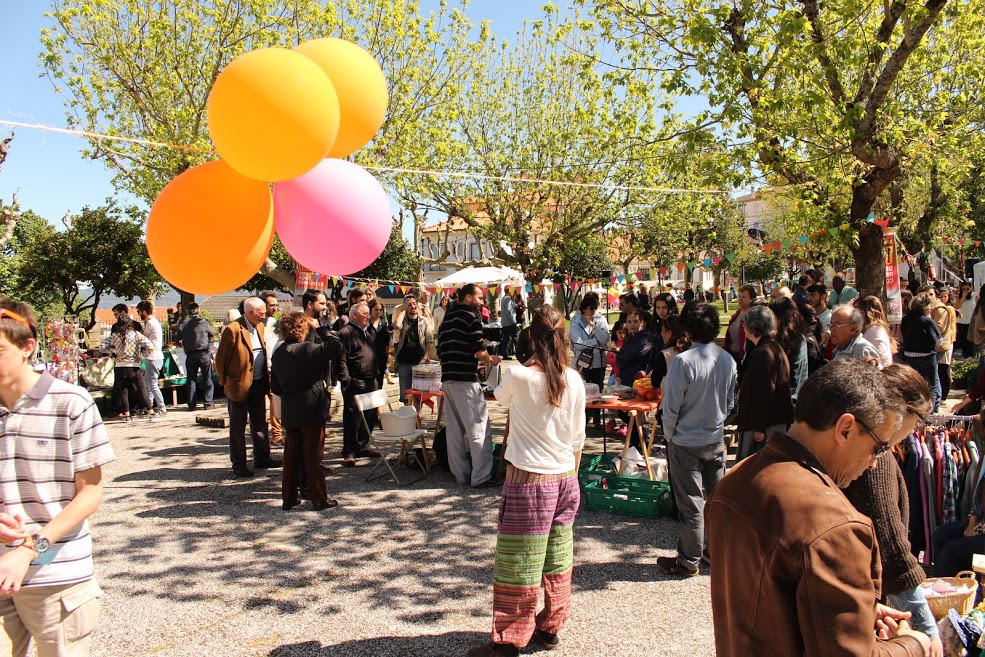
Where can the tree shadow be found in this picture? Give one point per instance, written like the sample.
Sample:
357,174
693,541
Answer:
449,644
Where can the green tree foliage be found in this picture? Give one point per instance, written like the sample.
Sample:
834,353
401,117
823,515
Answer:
101,251
834,98
536,111
29,227
398,262
143,69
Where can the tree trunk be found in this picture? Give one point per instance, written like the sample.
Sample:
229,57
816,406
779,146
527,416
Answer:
870,261
282,277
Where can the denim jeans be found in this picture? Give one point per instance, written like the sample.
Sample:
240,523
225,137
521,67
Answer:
953,551
152,370
913,601
927,367
405,377
694,473
195,362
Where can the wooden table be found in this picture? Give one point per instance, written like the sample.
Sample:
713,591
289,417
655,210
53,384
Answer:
632,407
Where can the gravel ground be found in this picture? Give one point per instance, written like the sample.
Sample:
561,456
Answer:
194,561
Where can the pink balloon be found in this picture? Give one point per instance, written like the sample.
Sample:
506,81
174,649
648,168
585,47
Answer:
335,219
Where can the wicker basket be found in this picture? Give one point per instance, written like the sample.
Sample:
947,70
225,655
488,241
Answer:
963,603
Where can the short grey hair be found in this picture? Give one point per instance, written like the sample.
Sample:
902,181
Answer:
355,307
855,316
760,321
254,303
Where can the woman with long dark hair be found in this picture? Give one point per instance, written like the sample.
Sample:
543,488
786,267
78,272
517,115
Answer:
546,401
790,330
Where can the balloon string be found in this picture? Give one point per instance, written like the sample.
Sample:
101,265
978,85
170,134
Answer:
419,172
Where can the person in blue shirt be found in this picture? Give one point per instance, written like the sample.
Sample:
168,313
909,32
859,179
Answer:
699,392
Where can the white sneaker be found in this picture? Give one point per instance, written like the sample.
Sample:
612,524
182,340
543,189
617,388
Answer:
156,417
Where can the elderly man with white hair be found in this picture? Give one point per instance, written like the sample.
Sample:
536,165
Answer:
359,375
846,333
241,364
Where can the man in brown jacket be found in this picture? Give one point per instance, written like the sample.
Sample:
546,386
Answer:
241,364
795,569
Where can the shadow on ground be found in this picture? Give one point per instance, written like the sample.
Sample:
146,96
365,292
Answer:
450,644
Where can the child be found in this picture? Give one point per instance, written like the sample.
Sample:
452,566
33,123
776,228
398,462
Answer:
619,333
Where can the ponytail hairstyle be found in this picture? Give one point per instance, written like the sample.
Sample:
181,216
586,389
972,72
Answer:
550,347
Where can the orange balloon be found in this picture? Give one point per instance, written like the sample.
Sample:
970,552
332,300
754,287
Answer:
210,229
361,88
273,114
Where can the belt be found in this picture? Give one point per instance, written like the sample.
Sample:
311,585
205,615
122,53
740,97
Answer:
914,354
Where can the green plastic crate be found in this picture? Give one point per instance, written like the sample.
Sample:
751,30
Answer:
595,467
630,497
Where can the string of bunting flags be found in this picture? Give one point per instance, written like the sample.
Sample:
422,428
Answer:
313,280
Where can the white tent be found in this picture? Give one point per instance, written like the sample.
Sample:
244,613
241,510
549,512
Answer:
979,270
481,275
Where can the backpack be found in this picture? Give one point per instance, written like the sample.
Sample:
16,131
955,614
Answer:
440,448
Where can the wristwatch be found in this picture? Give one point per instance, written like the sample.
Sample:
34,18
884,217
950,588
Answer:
41,544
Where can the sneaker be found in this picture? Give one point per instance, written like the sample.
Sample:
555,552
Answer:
610,426
672,566
548,639
622,431
156,417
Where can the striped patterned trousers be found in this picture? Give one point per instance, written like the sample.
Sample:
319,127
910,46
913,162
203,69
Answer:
534,546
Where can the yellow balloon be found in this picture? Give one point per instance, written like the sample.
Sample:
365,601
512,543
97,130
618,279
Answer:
273,114
210,229
361,88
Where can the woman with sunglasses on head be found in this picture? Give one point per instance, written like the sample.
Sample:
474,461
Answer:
880,494
546,401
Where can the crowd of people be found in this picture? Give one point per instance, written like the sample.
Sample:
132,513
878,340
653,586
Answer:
805,535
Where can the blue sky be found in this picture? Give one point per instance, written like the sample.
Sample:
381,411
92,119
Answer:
47,168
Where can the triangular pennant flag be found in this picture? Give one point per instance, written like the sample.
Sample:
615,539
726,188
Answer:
845,226
639,275
391,288
803,239
680,266
882,223
663,271
717,259
785,244
691,265
978,242
834,231
612,280
871,218
768,248
944,239
777,246
706,262
622,279
730,257
961,242
557,286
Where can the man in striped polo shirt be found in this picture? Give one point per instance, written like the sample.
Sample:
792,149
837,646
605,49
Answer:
460,348
52,449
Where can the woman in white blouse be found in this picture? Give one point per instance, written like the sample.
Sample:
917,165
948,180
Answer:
546,400
875,329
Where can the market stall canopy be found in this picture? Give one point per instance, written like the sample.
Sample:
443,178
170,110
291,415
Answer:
481,275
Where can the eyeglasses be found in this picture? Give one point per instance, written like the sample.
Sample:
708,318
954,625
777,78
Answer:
839,325
923,418
882,447
10,314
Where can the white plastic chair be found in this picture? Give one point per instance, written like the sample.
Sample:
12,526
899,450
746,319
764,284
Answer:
385,444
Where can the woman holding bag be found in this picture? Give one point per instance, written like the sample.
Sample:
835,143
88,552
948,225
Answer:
534,546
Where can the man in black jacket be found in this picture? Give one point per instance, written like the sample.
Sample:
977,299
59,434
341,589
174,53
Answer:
362,368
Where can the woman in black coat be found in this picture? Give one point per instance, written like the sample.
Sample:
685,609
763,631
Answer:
300,372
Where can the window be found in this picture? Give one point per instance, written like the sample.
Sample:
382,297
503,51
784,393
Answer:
473,251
